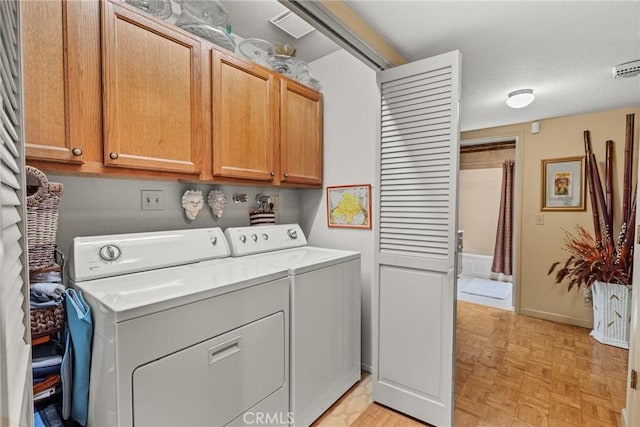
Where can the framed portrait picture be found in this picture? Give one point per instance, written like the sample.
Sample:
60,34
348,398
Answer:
563,186
349,206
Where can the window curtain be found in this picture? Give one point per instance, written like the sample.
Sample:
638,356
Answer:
502,256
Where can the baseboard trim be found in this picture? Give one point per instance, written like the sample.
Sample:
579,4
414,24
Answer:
367,368
557,317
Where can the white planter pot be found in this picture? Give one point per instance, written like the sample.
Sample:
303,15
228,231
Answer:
611,313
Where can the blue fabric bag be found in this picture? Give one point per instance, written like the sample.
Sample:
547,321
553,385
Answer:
81,330
66,374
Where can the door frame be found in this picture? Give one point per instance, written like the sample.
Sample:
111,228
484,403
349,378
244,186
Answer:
631,411
517,203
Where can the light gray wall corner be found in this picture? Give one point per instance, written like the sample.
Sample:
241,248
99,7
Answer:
367,368
289,201
351,102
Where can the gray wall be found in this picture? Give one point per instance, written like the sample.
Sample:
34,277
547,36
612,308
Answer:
94,206
351,103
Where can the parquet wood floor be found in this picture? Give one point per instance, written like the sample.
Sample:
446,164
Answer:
514,370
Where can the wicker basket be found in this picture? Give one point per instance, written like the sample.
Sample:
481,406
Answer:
45,321
42,220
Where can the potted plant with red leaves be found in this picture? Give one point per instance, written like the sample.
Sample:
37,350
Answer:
602,263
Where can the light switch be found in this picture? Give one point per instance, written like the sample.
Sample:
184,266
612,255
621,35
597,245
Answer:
540,219
152,200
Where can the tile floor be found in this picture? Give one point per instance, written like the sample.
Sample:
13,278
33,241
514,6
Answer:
514,370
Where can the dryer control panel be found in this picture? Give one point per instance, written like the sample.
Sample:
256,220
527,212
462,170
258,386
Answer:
264,238
104,256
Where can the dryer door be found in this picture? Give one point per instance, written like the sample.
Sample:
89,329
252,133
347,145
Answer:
213,382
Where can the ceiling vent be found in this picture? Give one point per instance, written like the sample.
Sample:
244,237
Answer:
292,24
628,69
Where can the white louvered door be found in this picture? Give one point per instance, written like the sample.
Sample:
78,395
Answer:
15,348
415,280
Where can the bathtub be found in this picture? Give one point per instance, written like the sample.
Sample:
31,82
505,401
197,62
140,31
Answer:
476,265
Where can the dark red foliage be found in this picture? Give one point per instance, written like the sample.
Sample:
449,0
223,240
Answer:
602,258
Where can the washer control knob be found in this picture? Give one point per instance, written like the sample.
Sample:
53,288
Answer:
243,238
214,240
265,236
293,234
254,237
109,253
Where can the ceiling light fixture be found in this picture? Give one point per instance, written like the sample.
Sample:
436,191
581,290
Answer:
520,98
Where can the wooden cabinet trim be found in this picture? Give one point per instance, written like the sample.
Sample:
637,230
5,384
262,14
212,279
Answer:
84,67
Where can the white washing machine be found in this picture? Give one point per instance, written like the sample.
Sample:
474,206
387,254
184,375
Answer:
183,334
325,312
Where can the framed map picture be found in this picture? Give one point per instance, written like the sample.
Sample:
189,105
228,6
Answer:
349,206
563,186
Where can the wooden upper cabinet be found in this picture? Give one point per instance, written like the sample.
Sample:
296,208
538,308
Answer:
245,118
152,93
300,134
111,90
61,66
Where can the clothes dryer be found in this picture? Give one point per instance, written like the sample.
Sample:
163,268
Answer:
183,335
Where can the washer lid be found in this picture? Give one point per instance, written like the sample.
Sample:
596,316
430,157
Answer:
307,258
133,295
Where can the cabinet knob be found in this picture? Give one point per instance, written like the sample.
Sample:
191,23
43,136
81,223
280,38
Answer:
76,151
286,175
273,173
113,155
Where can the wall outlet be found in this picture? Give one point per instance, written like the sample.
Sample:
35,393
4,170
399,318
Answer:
540,219
152,200
276,202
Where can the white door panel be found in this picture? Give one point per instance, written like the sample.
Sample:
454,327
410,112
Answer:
403,359
414,298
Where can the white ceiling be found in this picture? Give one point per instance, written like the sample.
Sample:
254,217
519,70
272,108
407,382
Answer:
250,19
564,50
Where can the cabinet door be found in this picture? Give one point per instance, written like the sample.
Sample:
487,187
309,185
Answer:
61,69
152,93
300,134
245,118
